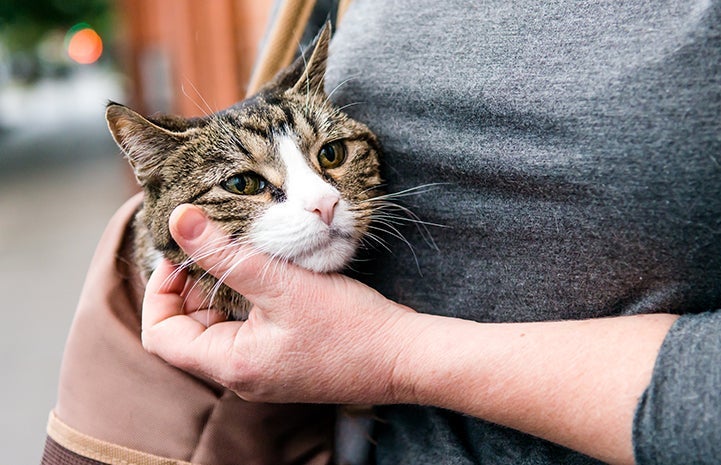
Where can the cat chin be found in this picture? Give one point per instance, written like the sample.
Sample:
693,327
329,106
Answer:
290,232
331,258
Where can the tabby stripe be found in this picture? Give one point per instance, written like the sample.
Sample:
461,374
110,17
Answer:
312,123
213,201
289,117
243,150
274,99
362,138
195,198
226,218
363,154
218,158
257,131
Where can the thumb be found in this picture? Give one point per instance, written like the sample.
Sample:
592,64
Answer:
257,276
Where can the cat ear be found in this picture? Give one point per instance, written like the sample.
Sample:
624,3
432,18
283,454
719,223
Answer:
146,143
312,79
305,74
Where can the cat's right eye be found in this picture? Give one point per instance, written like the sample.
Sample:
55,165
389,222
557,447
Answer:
244,184
332,155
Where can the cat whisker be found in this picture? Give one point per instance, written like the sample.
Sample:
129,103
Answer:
318,88
307,79
369,236
395,213
207,250
421,226
208,110
280,256
417,190
341,84
348,105
221,279
393,231
275,263
235,262
409,218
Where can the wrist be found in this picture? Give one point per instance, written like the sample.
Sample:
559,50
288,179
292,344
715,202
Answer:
429,360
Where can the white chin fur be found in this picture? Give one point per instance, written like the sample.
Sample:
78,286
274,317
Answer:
289,232
334,257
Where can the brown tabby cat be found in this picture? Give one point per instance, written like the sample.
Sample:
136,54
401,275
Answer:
284,170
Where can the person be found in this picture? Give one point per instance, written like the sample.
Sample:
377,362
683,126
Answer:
569,312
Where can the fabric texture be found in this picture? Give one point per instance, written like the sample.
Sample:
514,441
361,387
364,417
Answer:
112,391
55,454
73,443
677,420
572,152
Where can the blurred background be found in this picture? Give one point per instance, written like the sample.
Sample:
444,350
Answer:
61,176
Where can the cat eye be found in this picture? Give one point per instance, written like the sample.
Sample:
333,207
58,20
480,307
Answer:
332,155
244,184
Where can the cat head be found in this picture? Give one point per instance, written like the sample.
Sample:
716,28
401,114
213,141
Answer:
284,170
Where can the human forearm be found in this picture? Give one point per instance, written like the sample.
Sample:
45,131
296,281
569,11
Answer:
326,338
575,383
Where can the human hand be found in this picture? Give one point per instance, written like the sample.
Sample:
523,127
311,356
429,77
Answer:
329,339
321,338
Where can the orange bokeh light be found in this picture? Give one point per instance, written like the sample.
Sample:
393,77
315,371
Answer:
85,46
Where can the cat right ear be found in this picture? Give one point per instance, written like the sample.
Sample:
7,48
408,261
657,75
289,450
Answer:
313,77
145,143
306,74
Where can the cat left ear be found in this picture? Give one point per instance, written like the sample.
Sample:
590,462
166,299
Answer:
145,143
312,79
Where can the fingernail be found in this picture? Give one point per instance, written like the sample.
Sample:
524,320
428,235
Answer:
191,223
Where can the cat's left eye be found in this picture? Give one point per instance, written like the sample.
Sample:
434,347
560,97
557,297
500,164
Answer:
332,155
244,184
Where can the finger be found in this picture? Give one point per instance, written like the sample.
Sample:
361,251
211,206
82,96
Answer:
164,315
185,341
208,317
196,298
190,345
163,291
258,277
196,304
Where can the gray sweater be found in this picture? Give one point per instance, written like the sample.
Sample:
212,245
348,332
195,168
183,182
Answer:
577,151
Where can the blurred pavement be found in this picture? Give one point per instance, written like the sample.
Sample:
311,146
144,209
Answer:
61,178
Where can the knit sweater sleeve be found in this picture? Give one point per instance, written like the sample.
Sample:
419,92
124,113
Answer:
678,418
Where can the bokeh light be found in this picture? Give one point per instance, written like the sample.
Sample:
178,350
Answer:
84,45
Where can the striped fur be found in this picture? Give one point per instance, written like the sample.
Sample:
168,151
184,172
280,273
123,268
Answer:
284,126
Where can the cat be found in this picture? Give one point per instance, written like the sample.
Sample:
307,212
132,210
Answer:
284,170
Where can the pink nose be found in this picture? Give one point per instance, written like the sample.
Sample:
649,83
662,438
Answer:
325,207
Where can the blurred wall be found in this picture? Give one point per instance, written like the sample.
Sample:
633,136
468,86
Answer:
188,56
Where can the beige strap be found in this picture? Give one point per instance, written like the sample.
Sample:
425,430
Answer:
101,451
283,39
342,7
282,42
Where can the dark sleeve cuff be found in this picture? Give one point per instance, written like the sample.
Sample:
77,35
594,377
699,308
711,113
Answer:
678,418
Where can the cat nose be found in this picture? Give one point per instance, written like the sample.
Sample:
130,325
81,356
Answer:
325,207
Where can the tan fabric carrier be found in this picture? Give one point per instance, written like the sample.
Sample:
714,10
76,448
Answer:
283,39
119,405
